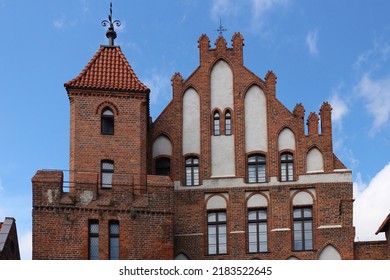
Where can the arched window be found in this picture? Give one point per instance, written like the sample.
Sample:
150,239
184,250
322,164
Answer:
192,171
303,228
286,167
228,123
163,166
217,130
257,230
107,170
107,121
256,169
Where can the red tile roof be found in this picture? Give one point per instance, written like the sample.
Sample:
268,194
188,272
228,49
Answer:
108,69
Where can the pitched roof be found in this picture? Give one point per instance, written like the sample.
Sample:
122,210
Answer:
384,226
108,69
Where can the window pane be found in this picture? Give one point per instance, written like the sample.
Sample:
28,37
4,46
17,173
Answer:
108,112
106,180
307,213
114,248
252,215
212,217
297,213
222,248
252,247
262,214
106,165
94,248
212,249
222,217
94,228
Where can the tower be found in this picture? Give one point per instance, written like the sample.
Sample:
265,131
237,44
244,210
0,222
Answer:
109,113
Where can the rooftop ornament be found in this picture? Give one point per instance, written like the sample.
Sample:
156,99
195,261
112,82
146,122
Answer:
111,34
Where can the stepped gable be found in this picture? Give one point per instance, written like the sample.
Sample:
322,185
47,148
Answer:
108,70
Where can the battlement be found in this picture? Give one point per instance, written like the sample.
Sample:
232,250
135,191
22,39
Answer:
85,191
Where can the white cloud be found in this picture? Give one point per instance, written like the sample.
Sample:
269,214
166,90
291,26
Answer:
377,95
371,204
339,109
59,23
1,186
312,42
221,8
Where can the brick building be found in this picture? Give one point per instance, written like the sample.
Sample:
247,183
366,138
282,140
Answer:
9,245
225,172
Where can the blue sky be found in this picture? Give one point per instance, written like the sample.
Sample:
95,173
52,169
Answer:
336,51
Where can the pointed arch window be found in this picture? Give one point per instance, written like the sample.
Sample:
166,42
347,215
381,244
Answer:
228,123
256,169
217,128
286,167
107,121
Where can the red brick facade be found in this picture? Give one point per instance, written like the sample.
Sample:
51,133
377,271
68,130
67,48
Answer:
163,217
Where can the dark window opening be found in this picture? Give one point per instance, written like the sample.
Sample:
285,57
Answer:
107,122
163,166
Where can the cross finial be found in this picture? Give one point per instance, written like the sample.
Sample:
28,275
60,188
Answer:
111,34
221,29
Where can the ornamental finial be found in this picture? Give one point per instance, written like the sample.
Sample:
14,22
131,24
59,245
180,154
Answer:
111,34
221,29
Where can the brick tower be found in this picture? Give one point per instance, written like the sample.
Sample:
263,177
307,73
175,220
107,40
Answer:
111,204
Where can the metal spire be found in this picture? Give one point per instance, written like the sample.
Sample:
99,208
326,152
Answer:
111,34
221,29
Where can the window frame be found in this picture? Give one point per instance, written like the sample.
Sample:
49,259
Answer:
105,171
92,235
111,236
301,221
219,225
259,165
228,123
216,123
194,178
258,222
284,165
107,121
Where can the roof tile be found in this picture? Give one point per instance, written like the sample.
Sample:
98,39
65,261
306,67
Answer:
108,69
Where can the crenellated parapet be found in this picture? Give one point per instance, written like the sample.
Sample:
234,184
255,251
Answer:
221,50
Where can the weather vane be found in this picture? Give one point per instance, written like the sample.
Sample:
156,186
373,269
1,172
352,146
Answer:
111,34
221,29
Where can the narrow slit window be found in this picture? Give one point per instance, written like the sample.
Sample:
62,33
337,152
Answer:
228,124
107,171
217,130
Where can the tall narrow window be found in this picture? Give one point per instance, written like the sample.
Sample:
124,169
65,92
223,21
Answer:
216,124
228,124
192,171
257,230
114,240
107,170
303,228
93,240
256,169
163,166
286,167
107,122
216,231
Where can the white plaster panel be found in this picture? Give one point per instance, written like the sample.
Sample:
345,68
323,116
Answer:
216,202
222,156
255,120
330,253
286,140
221,86
162,146
191,122
345,177
257,200
302,198
314,161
